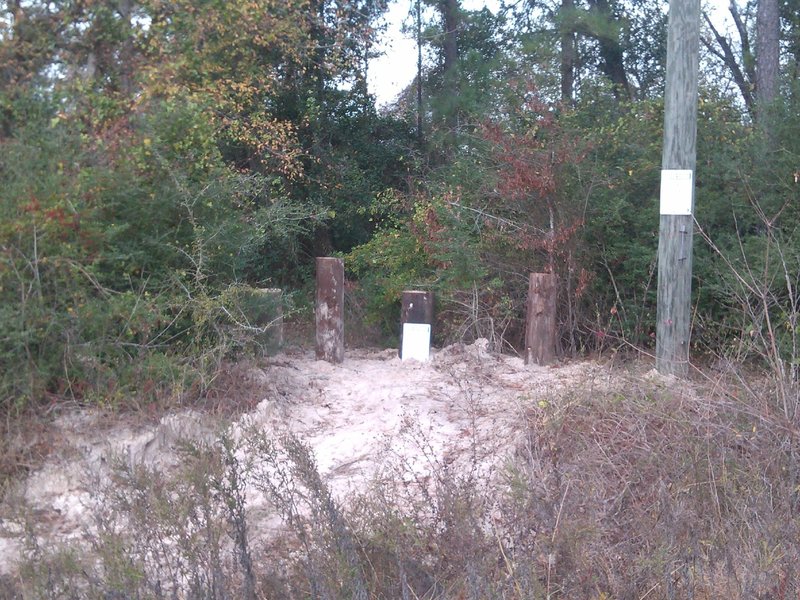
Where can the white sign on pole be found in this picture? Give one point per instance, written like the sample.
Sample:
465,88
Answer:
676,191
416,341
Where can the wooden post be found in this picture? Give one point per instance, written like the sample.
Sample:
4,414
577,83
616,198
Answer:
416,307
330,309
540,330
676,223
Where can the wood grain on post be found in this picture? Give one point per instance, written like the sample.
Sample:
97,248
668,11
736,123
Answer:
540,329
673,323
330,309
416,307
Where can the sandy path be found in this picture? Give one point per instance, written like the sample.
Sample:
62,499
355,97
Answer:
463,405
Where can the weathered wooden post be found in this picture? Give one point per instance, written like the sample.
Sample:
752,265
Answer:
330,309
416,309
676,223
540,330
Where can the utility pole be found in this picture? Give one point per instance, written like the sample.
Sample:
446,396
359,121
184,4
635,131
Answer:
676,224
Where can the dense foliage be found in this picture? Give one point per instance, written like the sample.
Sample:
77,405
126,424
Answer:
160,157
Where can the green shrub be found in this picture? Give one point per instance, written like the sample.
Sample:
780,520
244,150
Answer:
118,250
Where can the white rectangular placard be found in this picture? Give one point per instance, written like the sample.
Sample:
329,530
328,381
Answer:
676,191
416,341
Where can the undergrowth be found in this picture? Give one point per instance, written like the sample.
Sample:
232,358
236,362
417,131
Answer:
645,488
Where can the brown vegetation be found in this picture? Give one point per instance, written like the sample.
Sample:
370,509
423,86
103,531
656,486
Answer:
633,487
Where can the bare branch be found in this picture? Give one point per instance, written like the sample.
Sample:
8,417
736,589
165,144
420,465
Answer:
729,59
747,54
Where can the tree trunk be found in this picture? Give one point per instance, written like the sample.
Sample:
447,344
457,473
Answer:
319,52
767,53
568,51
450,10
419,72
611,55
725,53
126,51
450,13
756,75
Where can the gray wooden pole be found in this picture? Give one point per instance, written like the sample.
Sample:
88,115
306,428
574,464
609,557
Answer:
676,223
330,309
540,328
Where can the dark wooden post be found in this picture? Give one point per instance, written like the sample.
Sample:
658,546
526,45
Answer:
416,307
676,223
330,309
540,331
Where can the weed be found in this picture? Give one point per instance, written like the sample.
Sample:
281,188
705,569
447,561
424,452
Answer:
633,489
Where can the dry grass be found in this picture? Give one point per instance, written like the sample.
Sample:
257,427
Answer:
645,489
648,491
